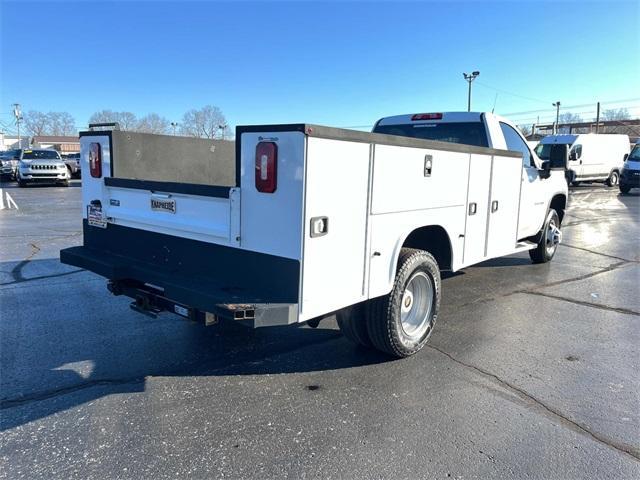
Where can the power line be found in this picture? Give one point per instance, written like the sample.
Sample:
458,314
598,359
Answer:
609,102
511,93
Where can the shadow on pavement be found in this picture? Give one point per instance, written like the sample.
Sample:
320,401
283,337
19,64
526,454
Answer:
55,356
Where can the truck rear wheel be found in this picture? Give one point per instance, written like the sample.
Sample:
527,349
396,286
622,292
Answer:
549,239
353,324
401,323
614,178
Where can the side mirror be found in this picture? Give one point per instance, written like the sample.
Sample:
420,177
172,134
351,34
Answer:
545,171
573,155
558,157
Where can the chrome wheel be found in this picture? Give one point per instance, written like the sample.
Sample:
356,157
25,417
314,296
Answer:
416,306
553,236
613,179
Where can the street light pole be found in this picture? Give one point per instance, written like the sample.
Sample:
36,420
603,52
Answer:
18,114
470,78
174,125
557,105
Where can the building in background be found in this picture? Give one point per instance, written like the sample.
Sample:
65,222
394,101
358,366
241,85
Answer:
9,142
62,144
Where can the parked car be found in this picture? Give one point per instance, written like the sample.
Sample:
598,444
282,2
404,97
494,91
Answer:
630,174
592,157
72,161
42,166
9,163
299,222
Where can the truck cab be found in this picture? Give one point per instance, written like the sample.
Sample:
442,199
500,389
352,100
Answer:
485,129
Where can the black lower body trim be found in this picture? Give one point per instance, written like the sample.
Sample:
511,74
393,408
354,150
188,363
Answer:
191,272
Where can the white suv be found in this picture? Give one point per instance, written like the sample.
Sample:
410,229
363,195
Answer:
42,166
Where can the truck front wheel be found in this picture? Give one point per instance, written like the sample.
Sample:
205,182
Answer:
401,323
549,239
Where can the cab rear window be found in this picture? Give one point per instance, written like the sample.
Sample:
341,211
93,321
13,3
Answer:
466,133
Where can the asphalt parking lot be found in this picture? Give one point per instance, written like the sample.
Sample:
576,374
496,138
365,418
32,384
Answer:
532,371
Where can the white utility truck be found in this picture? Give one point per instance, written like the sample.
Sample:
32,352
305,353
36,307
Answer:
296,222
592,157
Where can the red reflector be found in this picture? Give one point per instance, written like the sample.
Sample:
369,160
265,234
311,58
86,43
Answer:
266,167
95,160
427,116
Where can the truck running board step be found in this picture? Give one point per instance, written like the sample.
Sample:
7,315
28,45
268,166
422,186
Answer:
525,246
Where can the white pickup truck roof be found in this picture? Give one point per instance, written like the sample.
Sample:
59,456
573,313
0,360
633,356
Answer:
436,117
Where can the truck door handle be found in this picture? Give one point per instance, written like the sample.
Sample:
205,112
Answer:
494,206
428,165
473,208
319,226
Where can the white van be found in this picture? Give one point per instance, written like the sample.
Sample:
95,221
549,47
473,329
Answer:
592,158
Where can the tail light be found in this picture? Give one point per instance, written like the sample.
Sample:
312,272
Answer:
427,116
266,167
95,160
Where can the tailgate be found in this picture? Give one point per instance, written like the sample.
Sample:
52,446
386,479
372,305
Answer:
205,212
186,210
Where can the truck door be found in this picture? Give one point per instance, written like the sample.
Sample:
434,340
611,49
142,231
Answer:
575,160
532,210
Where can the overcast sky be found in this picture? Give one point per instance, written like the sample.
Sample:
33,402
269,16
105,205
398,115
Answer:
333,63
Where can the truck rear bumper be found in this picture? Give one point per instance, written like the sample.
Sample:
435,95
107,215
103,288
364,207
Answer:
192,275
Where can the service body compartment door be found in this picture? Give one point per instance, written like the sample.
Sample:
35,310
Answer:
504,205
475,237
335,225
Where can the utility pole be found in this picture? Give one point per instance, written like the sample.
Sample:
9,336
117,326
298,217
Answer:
222,128
174,125
470,78
557,105
598,118
18,114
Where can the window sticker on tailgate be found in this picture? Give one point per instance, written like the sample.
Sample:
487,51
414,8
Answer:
95,218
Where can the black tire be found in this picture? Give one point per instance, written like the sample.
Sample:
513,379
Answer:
353,324
21,183
384,322
613,180
546,249
624,189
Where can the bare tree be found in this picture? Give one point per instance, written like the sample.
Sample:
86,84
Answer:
61,123
127,120
204,123
525,129
36,122
153,123
568,117
615,114
51,123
